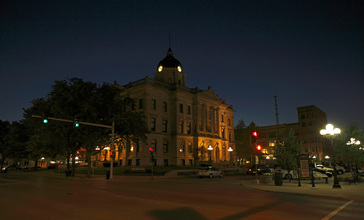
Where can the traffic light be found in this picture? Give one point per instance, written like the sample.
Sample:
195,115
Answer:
76,123
151,154
253,137
44,119
258,148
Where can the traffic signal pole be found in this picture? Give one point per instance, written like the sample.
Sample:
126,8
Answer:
91,124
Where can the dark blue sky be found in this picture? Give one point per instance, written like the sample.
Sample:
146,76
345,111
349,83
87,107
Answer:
306,52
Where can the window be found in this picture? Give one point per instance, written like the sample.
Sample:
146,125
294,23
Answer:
180,108
189,128
137,146
152,124
154,145
154,104
229,122
189,147
222,118
189,110
165,106
183,162
223,133
141,103
181,127
165,126
182,147
165,162
165,147
190,162
132,105
138,162
130,162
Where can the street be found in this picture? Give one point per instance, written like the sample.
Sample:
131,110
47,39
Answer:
46,195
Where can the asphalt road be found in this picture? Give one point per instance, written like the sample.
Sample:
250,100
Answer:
50,196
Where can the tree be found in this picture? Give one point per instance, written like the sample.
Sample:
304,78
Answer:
13,137
287,150
75,99
242,139
352,153
5,149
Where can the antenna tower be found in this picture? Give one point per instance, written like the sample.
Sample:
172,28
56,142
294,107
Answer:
276,107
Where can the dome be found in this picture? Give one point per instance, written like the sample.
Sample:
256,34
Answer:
169,61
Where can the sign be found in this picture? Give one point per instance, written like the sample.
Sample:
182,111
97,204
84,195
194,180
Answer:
304,165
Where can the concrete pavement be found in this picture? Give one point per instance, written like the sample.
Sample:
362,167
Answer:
347,191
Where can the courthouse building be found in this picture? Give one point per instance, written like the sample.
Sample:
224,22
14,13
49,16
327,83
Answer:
188,126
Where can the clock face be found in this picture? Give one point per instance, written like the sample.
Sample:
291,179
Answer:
179,68
160,68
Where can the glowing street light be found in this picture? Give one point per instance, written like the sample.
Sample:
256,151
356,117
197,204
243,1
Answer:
330,132
210,149
353,142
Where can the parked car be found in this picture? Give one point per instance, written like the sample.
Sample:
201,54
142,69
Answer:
329,173
210,172
360,172
293,174
261,169
317,175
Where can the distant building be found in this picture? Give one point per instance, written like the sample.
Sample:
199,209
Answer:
188,126
310,121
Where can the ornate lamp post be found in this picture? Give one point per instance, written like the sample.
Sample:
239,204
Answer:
210,149
356,143
330,132
231,153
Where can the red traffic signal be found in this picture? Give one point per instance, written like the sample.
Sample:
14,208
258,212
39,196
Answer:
259,148
151,149
253,138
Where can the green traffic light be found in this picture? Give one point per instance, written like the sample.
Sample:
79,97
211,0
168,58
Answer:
45,121
77,125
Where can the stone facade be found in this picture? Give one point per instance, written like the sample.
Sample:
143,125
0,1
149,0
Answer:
184,123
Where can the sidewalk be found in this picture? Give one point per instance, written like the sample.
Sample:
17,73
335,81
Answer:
349,192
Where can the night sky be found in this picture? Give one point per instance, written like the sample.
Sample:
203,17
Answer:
306,52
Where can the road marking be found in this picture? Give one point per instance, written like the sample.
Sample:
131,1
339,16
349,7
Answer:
337,210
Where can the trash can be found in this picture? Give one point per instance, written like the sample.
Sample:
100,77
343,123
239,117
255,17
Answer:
108,174
278,178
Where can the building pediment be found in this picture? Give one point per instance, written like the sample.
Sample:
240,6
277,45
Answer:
210,95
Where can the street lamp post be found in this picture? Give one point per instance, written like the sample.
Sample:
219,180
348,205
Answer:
231,153
354,142
210,149
330,132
